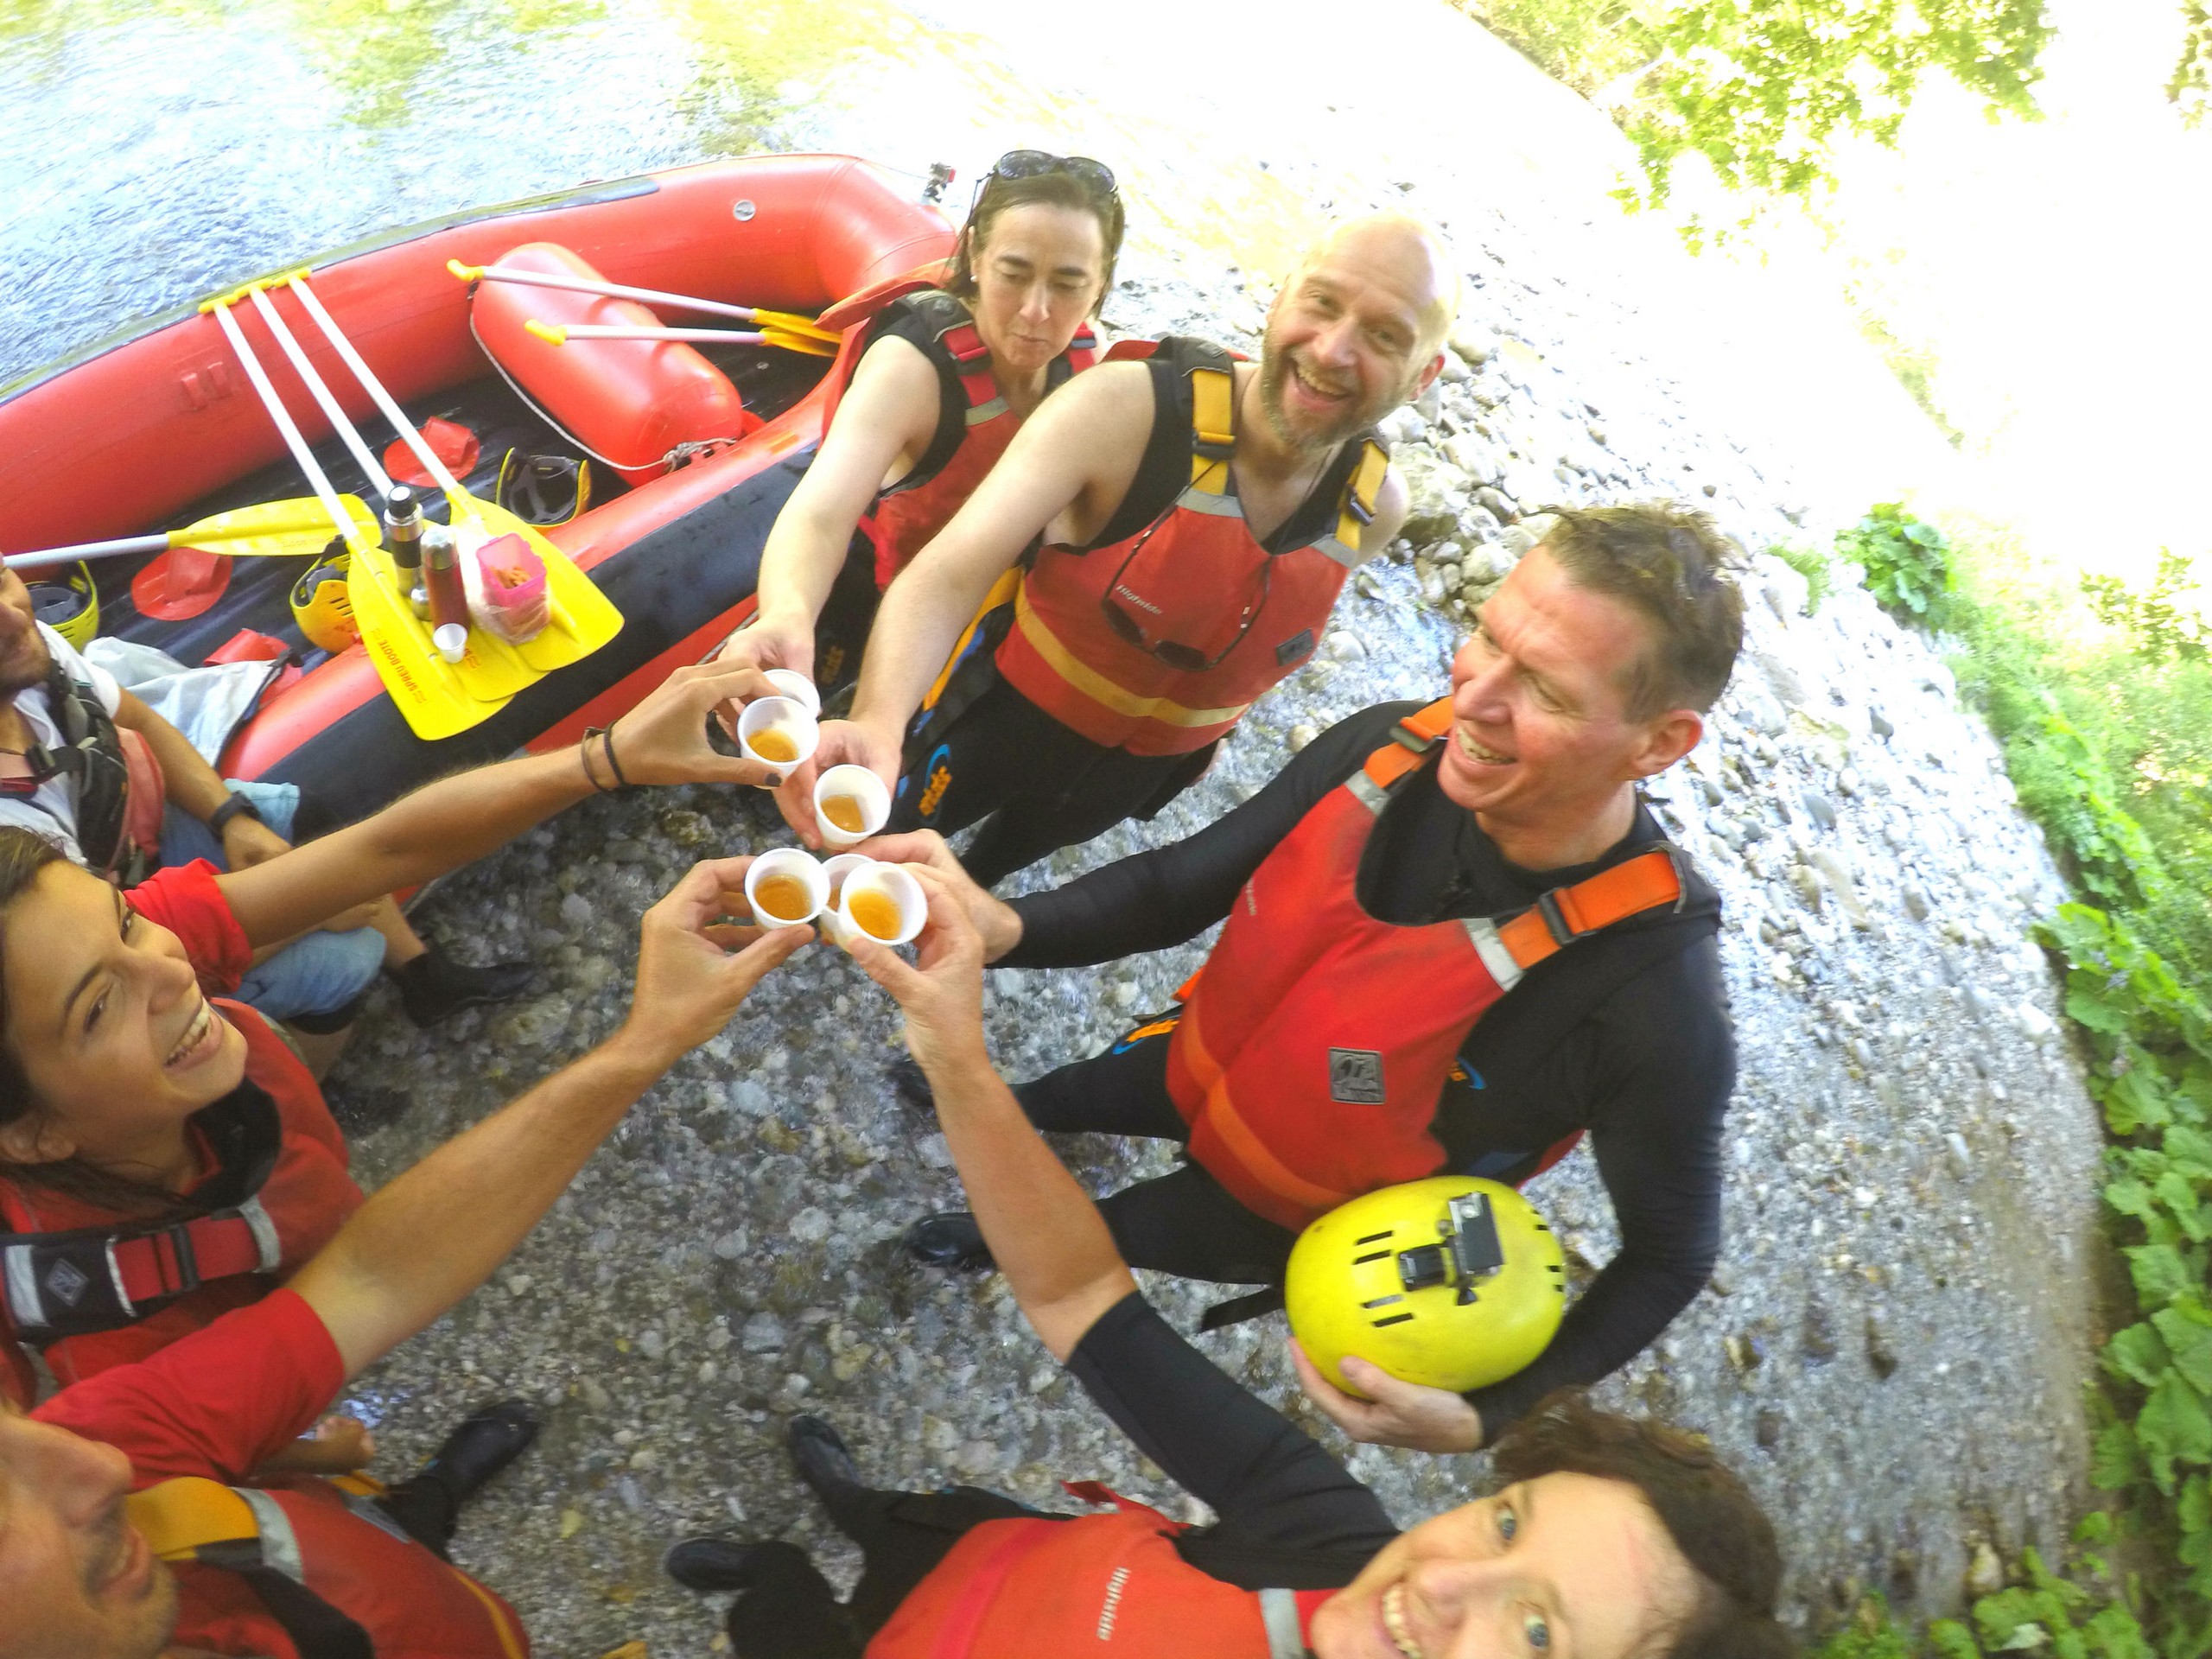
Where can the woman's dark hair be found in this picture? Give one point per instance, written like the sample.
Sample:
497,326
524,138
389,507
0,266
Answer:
1707,1511
1053,190
23,854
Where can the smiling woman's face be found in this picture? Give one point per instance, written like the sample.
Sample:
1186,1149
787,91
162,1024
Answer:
1561,1567
104,1015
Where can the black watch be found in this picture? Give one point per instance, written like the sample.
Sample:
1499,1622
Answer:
238,805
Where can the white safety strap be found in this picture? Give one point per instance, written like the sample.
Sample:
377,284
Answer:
280,1545
1278,1612
1491,948
24,1299
264,1233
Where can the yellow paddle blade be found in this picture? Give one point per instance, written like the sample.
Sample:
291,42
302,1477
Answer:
806,344
584,619
791,322
427,690
276,529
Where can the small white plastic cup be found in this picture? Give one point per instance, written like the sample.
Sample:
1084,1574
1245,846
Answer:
858,784
452,641
784,714
837,871
893,883
790,683
787,861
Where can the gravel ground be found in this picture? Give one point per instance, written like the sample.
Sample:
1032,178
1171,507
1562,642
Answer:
1909,1251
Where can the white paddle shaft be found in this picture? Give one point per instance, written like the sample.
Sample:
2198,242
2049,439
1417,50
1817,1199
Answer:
290,432
86,551
320,392
615,331
616,290
374,387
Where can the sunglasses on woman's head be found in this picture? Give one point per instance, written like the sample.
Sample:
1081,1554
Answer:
1035,163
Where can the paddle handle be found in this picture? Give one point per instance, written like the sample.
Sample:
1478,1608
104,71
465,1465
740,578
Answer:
562,333
86,551
587,285
285,426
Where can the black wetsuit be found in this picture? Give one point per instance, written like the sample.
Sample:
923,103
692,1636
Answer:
1624,1034
1291,1515
988,750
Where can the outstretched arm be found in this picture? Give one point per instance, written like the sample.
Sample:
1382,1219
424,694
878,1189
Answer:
1070,465
444,825
425,1242
1046,1235
883,427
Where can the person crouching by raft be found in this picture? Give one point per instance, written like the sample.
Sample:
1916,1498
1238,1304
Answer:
165,1157
131,1519
1612,1539
1200,516
954,360
125,791
1456,940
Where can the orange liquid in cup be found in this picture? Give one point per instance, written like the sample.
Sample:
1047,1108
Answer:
784,897
836,886
845,811
770,744
876,914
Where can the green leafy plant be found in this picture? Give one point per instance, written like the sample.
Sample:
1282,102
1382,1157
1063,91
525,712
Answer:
1817,567
2166,620
1907,560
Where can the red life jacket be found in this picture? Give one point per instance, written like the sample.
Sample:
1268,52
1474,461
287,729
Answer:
1316,1040
974,426
1197,579
310,1569
93,1290
1106,1584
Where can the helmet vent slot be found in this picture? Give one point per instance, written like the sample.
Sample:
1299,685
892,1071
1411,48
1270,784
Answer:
1376,1238
1393,1318
1382,1302
1372,1255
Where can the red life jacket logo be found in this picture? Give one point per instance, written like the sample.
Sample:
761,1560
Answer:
1295,648
1137,599
1356,1076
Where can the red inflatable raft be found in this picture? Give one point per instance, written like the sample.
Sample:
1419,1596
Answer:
156,427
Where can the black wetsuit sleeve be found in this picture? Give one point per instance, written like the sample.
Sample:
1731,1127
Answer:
1658,1061
1272,1486
1153,899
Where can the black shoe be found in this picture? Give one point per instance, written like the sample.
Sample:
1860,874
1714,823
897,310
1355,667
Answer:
820,1455
912,1089
489,1438
434,986
949,1240
708,1564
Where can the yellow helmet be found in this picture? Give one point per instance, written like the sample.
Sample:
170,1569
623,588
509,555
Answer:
1453,1282
320,604
67,601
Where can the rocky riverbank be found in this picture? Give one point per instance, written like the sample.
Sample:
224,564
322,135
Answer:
1891,1349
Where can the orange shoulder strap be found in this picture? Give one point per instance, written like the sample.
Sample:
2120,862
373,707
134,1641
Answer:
1566,914
1411,739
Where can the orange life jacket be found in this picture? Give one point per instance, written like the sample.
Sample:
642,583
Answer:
907,517
312,1568
92,1290
1195,581
1315,1042
1103,1584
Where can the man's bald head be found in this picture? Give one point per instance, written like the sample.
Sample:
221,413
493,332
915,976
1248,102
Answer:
1401,244
1358,330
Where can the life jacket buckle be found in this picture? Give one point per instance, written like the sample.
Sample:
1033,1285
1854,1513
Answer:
1361,512
1212,446
1555,919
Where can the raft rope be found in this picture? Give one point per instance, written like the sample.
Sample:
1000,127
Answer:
683,454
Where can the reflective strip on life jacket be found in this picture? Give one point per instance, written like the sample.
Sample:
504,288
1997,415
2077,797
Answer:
1092,683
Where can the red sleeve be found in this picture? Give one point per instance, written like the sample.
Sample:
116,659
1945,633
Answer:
217,1403
188,902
